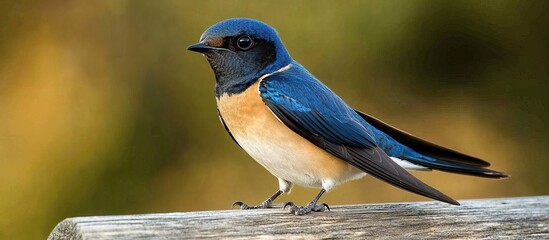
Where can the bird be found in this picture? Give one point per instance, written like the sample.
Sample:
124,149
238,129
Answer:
302,132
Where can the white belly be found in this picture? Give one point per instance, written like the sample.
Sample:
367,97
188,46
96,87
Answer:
295,161
281,151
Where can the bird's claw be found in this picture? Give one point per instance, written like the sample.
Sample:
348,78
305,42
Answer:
325,207
240,204
244,206
311,207
286,204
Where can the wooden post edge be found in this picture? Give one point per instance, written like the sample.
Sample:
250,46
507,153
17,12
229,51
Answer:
519,217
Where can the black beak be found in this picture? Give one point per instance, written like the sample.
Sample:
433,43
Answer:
200,47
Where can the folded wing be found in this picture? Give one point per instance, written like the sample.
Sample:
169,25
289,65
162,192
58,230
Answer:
313,111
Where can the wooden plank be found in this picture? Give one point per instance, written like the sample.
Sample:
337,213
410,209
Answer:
522,217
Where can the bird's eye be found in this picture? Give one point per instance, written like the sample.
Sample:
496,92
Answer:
244,42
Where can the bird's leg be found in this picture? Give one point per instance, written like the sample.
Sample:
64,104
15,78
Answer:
266,204
310,207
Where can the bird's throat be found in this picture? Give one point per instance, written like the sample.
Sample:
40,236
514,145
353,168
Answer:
232,86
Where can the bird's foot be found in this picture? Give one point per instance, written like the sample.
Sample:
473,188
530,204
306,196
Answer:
311,207
264,205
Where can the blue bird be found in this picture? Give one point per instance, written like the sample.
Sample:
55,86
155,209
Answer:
301,131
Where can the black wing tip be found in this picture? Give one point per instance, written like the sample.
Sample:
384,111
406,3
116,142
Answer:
437,195
453,202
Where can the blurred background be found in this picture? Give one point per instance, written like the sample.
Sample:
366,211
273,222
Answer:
103,111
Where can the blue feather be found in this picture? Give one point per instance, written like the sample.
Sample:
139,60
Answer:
319,109
313,111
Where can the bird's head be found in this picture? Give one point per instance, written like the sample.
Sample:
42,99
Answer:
240,50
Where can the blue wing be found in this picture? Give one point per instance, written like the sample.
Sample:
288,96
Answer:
313,111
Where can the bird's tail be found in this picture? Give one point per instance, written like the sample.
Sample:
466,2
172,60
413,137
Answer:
434,156
454,167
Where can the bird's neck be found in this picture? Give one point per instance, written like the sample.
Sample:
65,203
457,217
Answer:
235,84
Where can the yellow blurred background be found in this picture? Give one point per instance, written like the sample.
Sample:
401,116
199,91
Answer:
103,111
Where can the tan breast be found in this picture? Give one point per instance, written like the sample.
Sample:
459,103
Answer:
276,147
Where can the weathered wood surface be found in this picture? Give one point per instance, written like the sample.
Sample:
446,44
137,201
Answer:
507,218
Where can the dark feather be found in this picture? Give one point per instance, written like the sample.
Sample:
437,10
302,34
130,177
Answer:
444,159
314,112
422,146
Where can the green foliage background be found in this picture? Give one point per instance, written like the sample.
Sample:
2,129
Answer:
103,111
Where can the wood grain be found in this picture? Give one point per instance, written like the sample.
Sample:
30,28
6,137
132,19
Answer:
507,218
